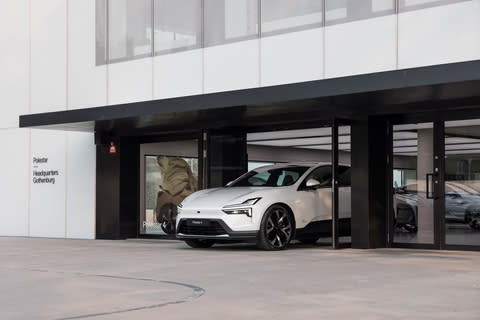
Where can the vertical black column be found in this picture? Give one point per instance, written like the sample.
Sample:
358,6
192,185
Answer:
369,173
226,157
439,183
129,187
107,194
117,189
335,228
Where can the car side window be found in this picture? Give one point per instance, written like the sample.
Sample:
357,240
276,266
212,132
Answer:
287,178
321,174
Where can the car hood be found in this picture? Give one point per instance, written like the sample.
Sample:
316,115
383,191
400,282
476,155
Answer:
220,197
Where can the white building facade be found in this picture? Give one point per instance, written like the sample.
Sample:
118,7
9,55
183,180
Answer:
65,55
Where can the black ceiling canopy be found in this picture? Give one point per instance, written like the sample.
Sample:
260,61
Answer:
390,92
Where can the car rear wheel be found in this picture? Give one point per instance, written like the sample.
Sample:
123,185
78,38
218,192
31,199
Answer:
198,243
276,229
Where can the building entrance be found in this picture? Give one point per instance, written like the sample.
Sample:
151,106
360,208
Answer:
436,184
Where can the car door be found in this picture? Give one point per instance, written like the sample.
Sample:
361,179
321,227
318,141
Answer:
315,204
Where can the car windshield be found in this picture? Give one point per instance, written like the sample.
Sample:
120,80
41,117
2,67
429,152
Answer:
278,177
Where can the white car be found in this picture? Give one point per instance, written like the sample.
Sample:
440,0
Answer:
271,206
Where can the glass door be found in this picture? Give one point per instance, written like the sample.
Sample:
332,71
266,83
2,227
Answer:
169,172
414,177
462,183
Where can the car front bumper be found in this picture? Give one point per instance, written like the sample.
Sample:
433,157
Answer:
215,229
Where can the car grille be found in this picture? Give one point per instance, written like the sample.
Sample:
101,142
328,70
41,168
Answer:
209,228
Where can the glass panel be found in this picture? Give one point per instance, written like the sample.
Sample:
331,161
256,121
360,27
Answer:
230,20
168,180
178,25
340,11
101,32
130,29
462,182
407,5
344,185
252,165
287,15
412,161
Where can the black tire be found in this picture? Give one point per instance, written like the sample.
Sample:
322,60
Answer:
198,243
308,241
276,229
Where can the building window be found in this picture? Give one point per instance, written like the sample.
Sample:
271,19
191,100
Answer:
130,29
408,5
342,11
101,32
230,20
178,25
281,16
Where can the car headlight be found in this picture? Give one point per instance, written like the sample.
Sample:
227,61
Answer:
240,208
246,211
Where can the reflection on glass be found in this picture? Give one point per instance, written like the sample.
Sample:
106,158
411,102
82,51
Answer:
462,182
178,25
412,161
130,29
288,15
100,32
344,187
230,20
168,180
252,165
405,5
341,11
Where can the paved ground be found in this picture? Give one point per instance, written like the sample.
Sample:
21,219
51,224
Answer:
140,279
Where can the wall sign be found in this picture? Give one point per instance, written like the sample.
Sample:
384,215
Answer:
41,173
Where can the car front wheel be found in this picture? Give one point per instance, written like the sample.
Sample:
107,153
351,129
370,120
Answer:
198,243
276,229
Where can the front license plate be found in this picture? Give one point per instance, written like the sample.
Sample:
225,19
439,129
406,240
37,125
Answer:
198,223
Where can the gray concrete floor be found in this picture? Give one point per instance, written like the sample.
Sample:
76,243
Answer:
141,279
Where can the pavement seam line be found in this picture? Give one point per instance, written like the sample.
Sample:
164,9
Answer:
197,292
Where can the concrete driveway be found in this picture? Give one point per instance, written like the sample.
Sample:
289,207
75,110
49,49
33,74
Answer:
142,279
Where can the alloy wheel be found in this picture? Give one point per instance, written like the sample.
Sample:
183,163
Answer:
278,228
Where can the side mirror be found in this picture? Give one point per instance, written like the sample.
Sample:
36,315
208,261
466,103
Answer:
312,183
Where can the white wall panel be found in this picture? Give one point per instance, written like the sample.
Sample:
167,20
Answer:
87,83
47,200
358,47
80,185
48,55
14,61
292,57
178,74
130,81
232,66
15,162
438,35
